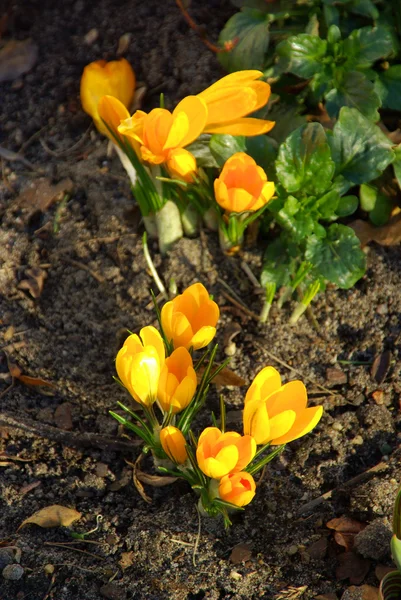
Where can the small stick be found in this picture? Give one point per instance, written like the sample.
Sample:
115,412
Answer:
152,267
247,270
350,483
84,267
74,549
67,151
240,306
67,438
284,364
196,28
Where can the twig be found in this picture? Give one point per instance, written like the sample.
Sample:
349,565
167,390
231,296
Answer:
67,151
53,579
248,272
67,438
351,482
74,550
196,28
240,306
284,364
152,267
13,156
84,267
33,137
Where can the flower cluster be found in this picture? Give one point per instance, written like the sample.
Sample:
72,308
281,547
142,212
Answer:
158,144
158,369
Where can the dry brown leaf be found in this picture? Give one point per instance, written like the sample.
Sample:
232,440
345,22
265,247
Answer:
28,488
52,516
363,592
352,567
155,480
34,281
381,366
16,58
62,416
137,483
387,235
318,549
382,570
241,553
126,560
346,525
40,194
225,377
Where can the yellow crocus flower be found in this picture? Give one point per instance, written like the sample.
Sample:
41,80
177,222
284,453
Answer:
177,382
190,319
276,413
100,78
237,488
219,454
139,363
173,444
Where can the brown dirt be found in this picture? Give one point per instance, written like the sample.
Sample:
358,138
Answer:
97,286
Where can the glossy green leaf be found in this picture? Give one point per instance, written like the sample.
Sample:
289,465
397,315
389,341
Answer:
376,203
367,45
361,151
390,586
326,206
287,119
397,164
365,8
397,515
223,146
355,91
395,545
302,54
200,148
388,86
347,205
304,161
338,257
249,31
278,263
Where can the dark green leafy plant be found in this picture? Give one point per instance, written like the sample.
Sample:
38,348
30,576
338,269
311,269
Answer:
340,71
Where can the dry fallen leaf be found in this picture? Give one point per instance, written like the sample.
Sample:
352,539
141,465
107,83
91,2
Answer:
62,416
40,194
345,530
387,235
16,373
364,592
34,281
155,480
53,516
352,567
241,553
16,58
381,366
126,560
225,377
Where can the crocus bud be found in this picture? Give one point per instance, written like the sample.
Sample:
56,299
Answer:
173,444
242,185
177,382
139,363
190,319
100,78
237,488
220,453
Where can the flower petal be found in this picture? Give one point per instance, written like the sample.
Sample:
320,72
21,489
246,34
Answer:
195,109
281,423
291,396
304,423
203,337
266,382
245,126
256,421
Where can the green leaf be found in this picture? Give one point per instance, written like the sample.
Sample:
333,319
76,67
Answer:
278,263
326,206
359,148
390,586
395,545
302,54
366,45
304,161
377,204
222,146
397,164
355,91
200,148
365,8
388,86
338,257
287,120
347,206
298,223
249,31
263,150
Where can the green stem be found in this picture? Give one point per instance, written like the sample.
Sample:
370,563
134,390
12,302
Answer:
169,226
190,221
269,296
301,307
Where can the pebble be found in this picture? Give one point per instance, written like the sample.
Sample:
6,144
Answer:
336,376
91,37
230,349
6,557
292,550
13,572
337,426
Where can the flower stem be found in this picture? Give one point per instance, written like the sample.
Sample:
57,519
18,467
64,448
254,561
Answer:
169,226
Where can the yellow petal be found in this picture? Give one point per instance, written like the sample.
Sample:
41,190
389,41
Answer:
304,423
229,104
173,444
292,396
246,126
281,423
267,192
224,462
178,131
151,337
239,200
266,382
112,111
256,421
181,164
247,449
238,78
203,337
262,90
195,109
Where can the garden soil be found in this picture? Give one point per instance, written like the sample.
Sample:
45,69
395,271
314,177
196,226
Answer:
73,280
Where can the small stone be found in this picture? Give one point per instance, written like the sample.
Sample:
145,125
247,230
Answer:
49,569
102,470
292,550
230,349
123,43
336,376
111,591
235,575
13,572
6,557
337,426
374,540
382,309
378,397
91,37
357,440
62,416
